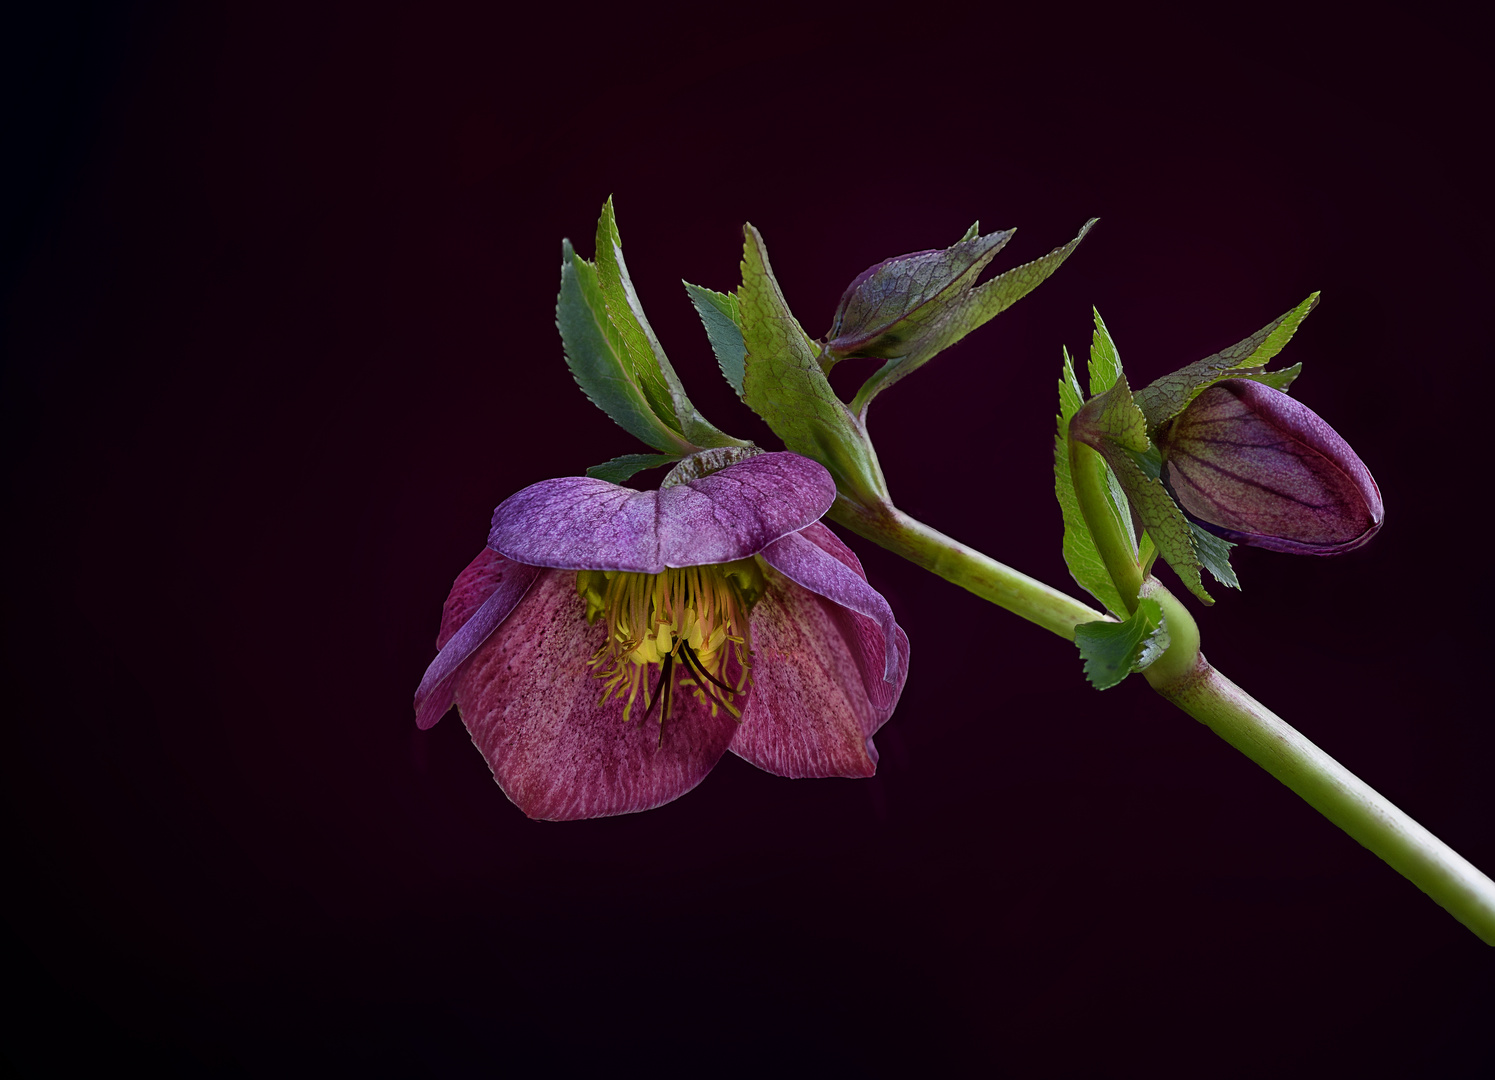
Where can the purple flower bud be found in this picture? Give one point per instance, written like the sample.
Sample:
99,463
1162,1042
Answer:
1256,467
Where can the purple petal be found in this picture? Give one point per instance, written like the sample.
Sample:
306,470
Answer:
810,713
811,565
1257,467
481,598
529,701
577,523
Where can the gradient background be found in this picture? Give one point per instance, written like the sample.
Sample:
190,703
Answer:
279,335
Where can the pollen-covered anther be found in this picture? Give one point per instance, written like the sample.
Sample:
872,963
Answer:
690,623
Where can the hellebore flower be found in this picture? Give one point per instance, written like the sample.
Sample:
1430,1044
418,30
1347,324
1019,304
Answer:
1256,467
610,645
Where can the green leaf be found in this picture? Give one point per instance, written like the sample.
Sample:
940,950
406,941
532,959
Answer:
1112,651
971,233
1080,553
1277,380
783,383
621,468
1214,554
641,347
1114,425
651,368
598,359
1001,292
887,313
718,312
963,309
1165,398
1105,361
1071,397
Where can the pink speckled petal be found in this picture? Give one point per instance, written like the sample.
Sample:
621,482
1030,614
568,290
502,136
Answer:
481,598
529,701
809,713
863,633
810,564
577,523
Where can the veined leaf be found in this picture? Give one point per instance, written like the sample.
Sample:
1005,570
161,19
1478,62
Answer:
621,468
1165,398
1007,288
719,314
641,347
1214,554
598,359
1112,651
652,371
783,383
1105,361
887,309
963,309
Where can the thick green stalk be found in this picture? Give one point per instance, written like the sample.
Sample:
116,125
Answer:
950,559
1184,677
1088,473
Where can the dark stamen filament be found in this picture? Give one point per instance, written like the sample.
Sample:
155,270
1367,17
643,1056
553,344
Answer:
689,656
661,689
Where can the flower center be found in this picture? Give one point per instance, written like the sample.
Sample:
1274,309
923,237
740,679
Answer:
690,622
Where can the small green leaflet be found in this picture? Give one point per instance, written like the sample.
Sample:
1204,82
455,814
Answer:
1214,554
1277,380
621,468
1165,398
1105,361
1112,651
1080,554
719,314
991,299
1105,369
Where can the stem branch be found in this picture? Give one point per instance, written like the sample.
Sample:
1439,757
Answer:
1341,796
1007,588
1184,677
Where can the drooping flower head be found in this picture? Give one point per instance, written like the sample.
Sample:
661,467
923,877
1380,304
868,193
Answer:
1257,467
610,645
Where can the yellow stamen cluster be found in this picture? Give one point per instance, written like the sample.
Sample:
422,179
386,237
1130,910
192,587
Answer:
689,622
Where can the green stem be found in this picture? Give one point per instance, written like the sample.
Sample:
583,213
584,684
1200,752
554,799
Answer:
1341,796
1088,473
1007,588
1184,677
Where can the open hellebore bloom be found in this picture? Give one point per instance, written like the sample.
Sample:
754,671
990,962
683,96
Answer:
1257,467
610,645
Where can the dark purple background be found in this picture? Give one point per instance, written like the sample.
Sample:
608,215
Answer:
279,335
